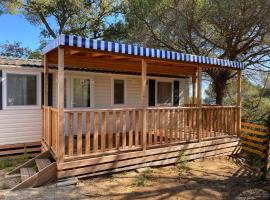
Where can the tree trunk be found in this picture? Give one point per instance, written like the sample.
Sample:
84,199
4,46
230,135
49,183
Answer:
220,79
219,88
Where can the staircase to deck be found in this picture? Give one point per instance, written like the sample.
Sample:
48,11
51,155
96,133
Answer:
38,171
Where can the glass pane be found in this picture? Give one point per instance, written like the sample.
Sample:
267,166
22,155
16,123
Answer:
119,92
164,93
21,89
81,92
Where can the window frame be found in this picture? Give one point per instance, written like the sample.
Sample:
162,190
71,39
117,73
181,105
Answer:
38,92
125,91
156,92
70,91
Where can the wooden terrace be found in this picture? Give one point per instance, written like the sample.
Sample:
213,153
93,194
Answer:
123,137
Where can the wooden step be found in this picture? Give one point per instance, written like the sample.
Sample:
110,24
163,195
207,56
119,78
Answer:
26,173
42,163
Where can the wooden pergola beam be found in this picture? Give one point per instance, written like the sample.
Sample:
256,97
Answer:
239,88
60,105
193,88
199,103
143,102
46,72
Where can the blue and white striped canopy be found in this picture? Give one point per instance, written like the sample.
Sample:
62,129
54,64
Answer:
127,49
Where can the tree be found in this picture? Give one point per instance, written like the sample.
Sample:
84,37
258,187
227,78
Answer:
255,100
16,50
81,17
232,29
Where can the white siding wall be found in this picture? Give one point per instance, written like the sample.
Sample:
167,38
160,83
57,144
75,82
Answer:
102,88
25,125
20,125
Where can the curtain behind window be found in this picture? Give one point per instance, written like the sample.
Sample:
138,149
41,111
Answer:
164,93
21,89
81,92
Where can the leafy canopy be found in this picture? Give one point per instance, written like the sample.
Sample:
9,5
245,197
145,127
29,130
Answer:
231,29
82,17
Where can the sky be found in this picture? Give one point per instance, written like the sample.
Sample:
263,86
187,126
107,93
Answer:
17,28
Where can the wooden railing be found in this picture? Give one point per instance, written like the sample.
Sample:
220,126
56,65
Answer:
91,131
219,121
99,130
95,131
255,141
46,136
50,128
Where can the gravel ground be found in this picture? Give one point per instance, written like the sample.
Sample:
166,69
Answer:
218,178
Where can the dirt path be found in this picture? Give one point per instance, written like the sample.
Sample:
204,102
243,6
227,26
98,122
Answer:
217,178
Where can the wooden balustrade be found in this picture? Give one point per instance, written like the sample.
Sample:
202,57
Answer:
50,130
46,136
101,130
219,121
91,131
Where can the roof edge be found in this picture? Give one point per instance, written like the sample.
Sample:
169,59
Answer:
135,50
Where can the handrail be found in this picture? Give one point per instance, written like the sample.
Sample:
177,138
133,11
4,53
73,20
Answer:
139,108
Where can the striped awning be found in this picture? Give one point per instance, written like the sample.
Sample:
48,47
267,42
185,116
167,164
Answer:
115,47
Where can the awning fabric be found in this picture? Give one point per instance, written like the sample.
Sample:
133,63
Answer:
135,50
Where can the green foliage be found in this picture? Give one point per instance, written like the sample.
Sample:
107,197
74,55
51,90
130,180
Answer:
5,163
4,186
235,30
143,179
255,103
18,51
182,161
25,155
80,17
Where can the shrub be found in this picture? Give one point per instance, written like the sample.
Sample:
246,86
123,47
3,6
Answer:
4,186
143,179
182,161
5,163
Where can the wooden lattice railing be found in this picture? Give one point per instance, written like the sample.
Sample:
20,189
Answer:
255,142
99,131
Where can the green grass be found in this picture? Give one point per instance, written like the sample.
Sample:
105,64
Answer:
4,186
182,162
6,163
143,179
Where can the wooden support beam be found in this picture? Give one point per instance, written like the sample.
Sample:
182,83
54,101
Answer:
46,72
143,102
199,103
45,96
60,104
193,89
239,87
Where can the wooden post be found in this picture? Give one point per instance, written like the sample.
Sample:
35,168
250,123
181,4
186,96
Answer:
46,72
199,103
61,120
239,87
143,103
193,89
45,97
267,155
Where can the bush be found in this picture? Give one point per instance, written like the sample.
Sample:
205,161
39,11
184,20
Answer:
182,161
5,163
143,179
4,186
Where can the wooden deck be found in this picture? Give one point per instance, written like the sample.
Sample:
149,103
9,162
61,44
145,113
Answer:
117,161
94,134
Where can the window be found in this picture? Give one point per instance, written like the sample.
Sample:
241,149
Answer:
119,91
164,93
81,92
21,89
